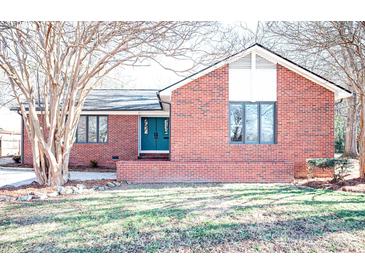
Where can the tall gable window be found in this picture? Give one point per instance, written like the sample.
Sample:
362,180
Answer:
92,129
252,96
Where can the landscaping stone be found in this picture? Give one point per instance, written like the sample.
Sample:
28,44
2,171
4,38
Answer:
43,196
8,187
39,196
81,186
61,190
65,190
110,184
75,190
53,194
5,198
100,188
25,198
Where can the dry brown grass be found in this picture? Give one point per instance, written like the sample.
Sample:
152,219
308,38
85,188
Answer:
188,218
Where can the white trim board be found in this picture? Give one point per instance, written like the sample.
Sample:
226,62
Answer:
148,113
156,113
274,58
154,151
140,136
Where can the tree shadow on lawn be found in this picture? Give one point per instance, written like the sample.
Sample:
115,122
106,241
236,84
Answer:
165,234
207,237
103,205
210,237
113,196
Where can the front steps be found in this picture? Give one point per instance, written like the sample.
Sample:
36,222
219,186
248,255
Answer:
154,156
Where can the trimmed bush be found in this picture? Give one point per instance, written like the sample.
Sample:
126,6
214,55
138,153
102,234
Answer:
93,163
17,159
341,167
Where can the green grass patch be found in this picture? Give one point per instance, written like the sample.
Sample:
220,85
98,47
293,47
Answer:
188,218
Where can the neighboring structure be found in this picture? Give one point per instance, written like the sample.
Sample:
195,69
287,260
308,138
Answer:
253,117
10,128
9,143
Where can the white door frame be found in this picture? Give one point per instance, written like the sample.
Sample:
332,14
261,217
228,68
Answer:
140,134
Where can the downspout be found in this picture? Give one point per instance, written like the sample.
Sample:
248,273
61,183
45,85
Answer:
22,139
168,103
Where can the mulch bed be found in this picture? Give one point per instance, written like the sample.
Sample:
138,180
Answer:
41,189
16,165
350,185
74,168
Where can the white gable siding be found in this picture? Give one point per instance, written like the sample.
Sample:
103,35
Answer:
252,82
239,84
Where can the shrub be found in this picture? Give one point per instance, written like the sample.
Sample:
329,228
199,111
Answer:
341,167
93,163
17,159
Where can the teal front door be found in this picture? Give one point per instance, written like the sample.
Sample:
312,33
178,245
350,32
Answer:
155,133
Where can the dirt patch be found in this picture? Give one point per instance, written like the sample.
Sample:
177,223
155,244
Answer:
350,185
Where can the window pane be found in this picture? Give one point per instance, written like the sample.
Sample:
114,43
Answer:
251,123
236,119
103,129
166,127
81,130
145,126
267,123
92,129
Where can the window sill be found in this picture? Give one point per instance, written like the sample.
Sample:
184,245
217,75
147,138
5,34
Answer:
238,143
80,143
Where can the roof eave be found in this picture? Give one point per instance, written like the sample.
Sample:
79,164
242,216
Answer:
339,91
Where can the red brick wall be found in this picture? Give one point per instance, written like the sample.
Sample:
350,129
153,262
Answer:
224,172
200,114
122,142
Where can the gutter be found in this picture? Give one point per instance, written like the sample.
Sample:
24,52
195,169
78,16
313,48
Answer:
22,139
170,106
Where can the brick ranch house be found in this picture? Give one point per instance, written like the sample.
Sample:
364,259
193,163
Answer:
252,117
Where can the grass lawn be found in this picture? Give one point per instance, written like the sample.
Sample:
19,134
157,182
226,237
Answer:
188,218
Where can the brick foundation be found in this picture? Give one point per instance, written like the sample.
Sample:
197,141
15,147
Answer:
233,172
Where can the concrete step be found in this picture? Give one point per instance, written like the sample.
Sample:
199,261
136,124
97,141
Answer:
154,156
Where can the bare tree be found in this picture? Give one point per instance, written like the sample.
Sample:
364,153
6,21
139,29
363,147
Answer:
350,149
339,49
52,66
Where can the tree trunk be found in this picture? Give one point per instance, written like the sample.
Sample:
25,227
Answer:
351,129
362,137
50,163
49,172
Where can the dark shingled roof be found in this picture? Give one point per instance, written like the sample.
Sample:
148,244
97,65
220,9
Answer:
122,100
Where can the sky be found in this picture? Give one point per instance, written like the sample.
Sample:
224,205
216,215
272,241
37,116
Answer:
152,75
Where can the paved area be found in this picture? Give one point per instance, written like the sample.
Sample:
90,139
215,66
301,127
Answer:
6,160
21,176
